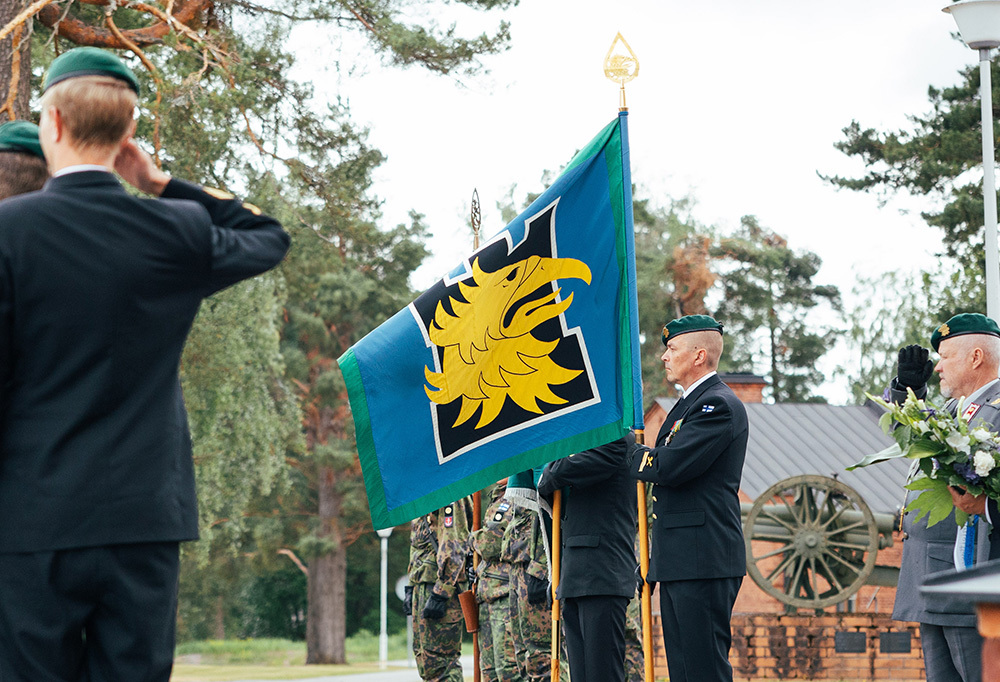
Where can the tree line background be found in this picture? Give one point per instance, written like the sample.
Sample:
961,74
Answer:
287,547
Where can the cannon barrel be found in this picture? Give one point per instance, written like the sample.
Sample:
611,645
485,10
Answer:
885,523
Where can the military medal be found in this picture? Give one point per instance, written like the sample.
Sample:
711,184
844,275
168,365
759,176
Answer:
673,430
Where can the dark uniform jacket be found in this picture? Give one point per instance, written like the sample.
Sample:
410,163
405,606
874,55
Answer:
98,290
696,468
599,520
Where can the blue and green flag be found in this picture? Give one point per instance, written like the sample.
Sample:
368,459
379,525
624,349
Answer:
525,352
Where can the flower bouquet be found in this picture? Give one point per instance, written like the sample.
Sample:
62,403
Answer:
949,452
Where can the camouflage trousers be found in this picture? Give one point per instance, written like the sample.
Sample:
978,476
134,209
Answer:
437,644
531,629
635,664
496,644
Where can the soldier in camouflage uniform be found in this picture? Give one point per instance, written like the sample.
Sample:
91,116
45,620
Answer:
496,646
438,548
635,662
530,613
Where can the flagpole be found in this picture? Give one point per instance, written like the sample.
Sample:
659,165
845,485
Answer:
477,497
621,66
554,572
646,596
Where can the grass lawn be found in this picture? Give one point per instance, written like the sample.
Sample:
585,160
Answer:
186,672
277,659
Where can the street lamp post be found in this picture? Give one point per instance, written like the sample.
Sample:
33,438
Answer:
979,24
383,636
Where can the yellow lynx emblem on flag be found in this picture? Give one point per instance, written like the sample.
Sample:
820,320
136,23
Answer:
489,352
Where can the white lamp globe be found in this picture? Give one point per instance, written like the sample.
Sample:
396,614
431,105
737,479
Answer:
978,22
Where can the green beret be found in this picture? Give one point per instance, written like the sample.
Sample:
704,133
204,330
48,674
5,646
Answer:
88,61
965,323
689,323
20,136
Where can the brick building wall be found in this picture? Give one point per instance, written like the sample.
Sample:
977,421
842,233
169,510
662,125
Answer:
831,646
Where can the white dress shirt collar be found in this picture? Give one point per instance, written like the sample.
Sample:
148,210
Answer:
80,168
690,389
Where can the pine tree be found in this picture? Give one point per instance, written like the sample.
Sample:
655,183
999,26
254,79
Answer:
767,293
939,157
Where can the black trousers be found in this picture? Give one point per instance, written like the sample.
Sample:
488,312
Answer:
95,614
595,637
696,630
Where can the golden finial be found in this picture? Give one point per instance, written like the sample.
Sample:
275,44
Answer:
476,218
621,65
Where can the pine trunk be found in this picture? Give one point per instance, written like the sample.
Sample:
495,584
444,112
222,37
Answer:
326,626
9,69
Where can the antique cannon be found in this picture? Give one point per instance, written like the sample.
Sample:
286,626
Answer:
812,542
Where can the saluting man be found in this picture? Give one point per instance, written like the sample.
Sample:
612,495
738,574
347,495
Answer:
439,544
22,162
698,554
969,349
98,290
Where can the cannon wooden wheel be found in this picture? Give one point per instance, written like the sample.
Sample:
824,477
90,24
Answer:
811,541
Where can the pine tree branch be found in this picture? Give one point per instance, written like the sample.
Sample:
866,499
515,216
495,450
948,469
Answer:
15,73
28,12
156,80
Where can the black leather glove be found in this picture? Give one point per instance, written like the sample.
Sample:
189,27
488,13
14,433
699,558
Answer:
639,582
538,590
408,600
435,607
914,366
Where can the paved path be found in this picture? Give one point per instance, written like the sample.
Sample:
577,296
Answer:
396,672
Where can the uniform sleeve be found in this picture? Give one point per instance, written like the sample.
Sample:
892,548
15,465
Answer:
704,434
245,242
897,392
453,546
538,565
586,468
6,325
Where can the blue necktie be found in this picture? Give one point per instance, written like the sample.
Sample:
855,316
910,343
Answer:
970,541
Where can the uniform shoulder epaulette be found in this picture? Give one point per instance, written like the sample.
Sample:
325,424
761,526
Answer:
223,195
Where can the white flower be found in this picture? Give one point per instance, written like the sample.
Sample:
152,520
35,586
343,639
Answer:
983,461
958,442
921,426
981,435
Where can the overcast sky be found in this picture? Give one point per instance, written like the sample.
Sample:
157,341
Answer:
738,104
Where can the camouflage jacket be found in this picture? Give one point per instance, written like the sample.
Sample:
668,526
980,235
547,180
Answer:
523,543
487,543
439,544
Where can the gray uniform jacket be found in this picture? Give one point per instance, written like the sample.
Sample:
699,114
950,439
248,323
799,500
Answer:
931,550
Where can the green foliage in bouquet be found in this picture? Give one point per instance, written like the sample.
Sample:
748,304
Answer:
948,450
